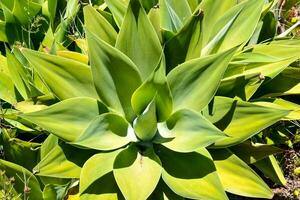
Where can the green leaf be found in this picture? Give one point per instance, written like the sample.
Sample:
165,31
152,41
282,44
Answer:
209,7
157,88
18,151
106,132
271,169
186,44
194,4
185,173
22,175
63,161
19,75
286,83
138,40
136,173
74,77
48,144
252,152
163,192
113,87
54,191
174,14
118,9
237,177
92,172
98,25
240,120
25,10
145,125
188,131
281,104
249,70
7,89
52,7
189,91
104,188
67,119
234,28
3,36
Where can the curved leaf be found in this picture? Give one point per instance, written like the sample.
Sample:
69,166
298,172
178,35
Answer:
63,161
186,173
286,83
138,40
145,125
157,88
75,78
7,89
174,14
118,9
194,82
271,169
19,174
252,152
98,25
137,174
92,171
186,44
281,104
234,28
111,71
237,177
106,132
67,119
231,115
189,131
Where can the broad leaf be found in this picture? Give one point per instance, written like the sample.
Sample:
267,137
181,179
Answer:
286,83
271,169
63,161
7,89
19,75
281,104
98,25
112,86
106,132
188,131
174,14
67,119
209,7
48,144
137,173
145,125
194,82
186,44
96,168
104,188
237,177
234,28
74,77
138,39
155,87
252,152
248,71
19,151
231,116
163,192
118,9
22,175
185,173
74,56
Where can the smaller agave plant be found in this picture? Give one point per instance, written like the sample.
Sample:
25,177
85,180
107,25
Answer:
137,120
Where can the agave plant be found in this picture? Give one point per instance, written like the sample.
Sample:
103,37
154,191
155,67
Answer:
163,102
